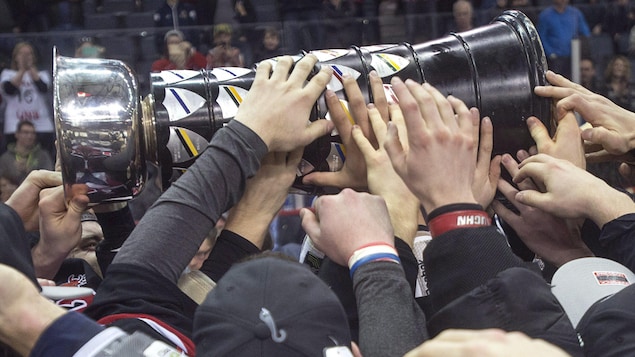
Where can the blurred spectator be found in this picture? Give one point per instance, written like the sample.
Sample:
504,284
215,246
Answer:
7,17
24,156
67,15
618,21
89,48
462,17
528,7
270,46
593,11
31,16
367,11
302,21
25,90
617,82
247,35
224,54
7,187
338,24
176,14
558,25
588,75
420,20
178,54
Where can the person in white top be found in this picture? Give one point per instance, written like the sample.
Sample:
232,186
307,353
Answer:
24,88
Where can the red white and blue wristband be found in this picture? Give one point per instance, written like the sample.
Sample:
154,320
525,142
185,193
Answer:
371,253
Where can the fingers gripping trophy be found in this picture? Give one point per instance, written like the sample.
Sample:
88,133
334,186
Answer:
108,136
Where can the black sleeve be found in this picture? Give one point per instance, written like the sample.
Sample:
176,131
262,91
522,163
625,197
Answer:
116,226
516,299
41,86
15,249
618,236
229,249
462,259
9,88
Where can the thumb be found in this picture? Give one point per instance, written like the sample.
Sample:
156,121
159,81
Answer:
310,223
538,132
604,137
317,129
78,202
319,178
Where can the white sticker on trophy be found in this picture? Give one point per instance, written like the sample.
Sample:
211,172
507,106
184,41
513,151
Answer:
388,64
225,73
327,55
174,76
181,103
229,98
335,84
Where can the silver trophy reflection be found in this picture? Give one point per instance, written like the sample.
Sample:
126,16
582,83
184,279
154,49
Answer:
108,135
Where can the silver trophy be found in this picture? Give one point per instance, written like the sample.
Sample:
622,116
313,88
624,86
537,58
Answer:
108,136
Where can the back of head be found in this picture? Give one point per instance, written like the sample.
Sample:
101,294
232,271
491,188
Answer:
269,306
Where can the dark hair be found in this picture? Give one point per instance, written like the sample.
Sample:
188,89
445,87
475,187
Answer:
22,123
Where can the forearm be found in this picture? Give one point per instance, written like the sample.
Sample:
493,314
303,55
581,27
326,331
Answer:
609,205
384,298
16,81
48,258
182,217
22,323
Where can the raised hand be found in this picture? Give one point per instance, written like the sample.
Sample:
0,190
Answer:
403,205
488,169
569,191
345,222
439,164
552,238
279,103
613,127
26,197
60,228
353,172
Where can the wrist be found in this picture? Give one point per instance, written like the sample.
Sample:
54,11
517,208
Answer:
615,204
470,218
434,203
378,251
